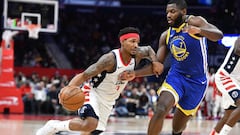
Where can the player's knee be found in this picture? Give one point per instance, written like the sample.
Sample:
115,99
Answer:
162,110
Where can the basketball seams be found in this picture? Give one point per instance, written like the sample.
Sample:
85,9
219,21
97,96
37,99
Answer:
67,97
66,102
72,98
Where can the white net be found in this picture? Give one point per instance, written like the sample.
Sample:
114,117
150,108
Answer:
33,30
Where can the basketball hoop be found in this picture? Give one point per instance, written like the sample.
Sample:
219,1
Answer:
33,30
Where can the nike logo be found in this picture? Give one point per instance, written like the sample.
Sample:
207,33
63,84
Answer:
131,63
203,82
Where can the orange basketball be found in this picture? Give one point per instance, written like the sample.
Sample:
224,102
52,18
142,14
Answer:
72,98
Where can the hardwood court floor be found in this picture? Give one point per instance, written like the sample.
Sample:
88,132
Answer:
28,124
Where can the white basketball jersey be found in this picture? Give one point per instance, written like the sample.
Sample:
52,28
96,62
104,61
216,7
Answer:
106,85
227,78
231,64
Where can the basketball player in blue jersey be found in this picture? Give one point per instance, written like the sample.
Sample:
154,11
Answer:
186,82
227,81
106,85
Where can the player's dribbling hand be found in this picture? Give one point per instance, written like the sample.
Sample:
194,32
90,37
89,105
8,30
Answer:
157,68
127,75
59,94
59,99
191,29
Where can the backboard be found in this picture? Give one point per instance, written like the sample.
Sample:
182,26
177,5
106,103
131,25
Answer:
20,13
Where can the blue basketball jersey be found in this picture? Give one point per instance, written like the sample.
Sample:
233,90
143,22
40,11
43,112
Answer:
189,52
187,78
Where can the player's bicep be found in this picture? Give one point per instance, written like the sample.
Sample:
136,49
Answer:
200,22
105,63
145,51
162,49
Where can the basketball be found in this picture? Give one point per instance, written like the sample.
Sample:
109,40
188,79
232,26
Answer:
72,98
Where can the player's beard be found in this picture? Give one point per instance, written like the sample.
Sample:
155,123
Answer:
178,21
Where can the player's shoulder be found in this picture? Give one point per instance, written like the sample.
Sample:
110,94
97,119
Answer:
163,39
107,61
164,34
108,58
192,19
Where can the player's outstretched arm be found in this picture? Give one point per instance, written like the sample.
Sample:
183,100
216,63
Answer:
199,25
105,63
146,70
155,68
149,53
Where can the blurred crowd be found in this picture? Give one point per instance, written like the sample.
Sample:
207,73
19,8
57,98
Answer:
40,95
139,98
84,34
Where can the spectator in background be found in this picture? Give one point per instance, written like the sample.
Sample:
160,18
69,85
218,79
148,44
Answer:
217,109
121,106
218,103
40,96
143,103
132,101
27,97
53,105
153,98
208,99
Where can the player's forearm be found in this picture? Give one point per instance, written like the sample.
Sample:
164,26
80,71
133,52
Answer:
212,34
78,80
145,71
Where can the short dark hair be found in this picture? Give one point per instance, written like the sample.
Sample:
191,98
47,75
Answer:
128,30
181,4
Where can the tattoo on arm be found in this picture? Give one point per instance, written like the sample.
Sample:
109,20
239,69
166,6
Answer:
143,51
105,63
147,52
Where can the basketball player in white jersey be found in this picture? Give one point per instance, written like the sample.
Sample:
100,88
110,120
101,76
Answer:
106,85
227,80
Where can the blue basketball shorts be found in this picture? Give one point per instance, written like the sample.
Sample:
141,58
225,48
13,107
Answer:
188,91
